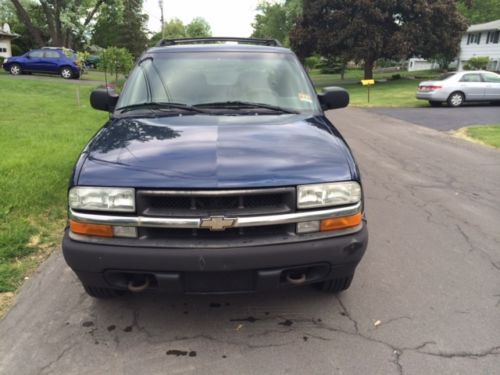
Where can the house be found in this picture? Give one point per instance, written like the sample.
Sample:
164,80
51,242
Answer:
5,38
416,64
481,40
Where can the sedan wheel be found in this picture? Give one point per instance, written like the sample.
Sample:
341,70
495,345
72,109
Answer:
66,73
456,99
15,69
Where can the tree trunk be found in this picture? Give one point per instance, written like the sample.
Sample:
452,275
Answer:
25,18
369,63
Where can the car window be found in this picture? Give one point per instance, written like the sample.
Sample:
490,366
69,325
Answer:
194,78
474,77
52,54
491,77
36,54
445,76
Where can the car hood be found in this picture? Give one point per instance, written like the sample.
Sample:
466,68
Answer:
216,152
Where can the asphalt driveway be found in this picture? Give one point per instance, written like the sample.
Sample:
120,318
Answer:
445,118
425,300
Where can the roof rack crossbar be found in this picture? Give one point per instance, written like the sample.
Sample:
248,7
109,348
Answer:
173,42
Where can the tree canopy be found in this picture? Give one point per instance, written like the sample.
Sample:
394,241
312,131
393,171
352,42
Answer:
175,28
480,11
274,20
122,25
57,22
368,30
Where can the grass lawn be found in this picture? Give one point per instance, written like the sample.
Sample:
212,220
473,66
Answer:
393,93
486,134
42,130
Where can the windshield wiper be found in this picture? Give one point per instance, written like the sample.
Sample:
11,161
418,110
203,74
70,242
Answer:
162,106
245,105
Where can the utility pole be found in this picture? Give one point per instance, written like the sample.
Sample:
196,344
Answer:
160,2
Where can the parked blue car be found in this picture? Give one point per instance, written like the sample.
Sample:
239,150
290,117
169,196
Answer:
47,60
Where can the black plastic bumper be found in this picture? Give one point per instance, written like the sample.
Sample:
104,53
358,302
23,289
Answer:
238,269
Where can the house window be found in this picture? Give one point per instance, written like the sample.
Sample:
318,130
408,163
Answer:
474,38
493,37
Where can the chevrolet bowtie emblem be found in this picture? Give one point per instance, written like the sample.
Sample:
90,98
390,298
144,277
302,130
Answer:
217,223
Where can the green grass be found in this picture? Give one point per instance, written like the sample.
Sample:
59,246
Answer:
486,134
392,93
43,128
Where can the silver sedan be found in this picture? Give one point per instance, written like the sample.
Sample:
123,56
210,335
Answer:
458,88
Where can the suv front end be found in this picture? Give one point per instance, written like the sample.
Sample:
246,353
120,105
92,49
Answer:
191,196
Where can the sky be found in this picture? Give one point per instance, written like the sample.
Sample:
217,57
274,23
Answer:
226,17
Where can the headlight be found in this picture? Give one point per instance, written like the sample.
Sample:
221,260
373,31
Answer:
102,199
332,194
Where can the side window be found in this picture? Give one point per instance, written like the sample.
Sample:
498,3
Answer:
471,78
491,77
36,54
51,55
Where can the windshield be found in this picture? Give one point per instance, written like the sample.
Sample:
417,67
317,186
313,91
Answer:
195,78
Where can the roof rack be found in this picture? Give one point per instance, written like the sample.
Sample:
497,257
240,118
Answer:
262,42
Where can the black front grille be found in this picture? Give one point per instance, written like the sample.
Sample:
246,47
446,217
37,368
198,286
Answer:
205,234
212,203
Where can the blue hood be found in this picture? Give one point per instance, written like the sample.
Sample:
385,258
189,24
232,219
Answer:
216,152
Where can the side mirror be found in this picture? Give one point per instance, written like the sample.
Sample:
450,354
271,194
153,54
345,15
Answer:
102,100
333,97
28,56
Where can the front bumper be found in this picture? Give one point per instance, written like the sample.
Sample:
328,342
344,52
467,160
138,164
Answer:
233,269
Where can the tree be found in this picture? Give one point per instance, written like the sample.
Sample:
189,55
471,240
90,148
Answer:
175,28
275,20
122,25
479,11
198,28
367,30
115,61
62,22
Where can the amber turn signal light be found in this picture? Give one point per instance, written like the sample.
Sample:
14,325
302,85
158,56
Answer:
343,222
91,229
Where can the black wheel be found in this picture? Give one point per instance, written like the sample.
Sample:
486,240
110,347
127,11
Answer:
434,103
66,72
15,69
335,285
456,99
102,293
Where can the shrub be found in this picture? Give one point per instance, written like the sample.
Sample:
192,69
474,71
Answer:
396,76
312,62
1,60
116,60
477,63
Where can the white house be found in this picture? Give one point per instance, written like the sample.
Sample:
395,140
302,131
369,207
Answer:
481,40
5,38
416,63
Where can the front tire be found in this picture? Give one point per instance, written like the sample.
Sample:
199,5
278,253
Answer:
15,69
102,293
335,285
456,99
66,73
433,103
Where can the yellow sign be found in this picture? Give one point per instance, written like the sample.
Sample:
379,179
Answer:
368,82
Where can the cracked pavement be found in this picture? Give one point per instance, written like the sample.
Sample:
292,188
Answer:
425,299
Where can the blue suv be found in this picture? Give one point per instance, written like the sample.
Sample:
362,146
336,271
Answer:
60,61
